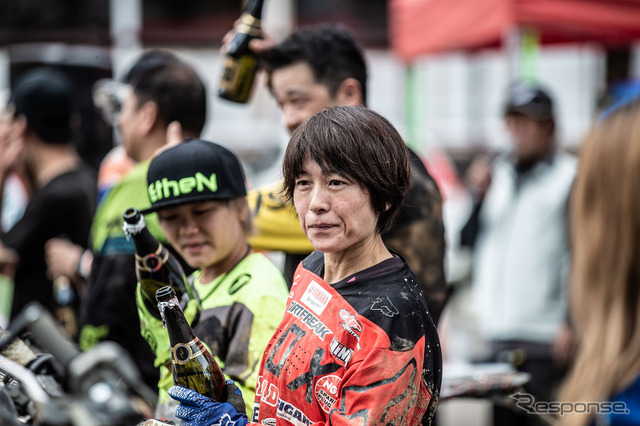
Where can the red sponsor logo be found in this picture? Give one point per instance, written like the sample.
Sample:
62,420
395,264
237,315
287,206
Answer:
350,322
267,392
326,391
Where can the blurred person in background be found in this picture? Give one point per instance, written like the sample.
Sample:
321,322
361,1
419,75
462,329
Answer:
160,91
14,196
242,294
44,118
15,192
356,344
605,274
320,67
519,234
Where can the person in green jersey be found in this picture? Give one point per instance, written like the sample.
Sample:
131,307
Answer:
197,188
159,92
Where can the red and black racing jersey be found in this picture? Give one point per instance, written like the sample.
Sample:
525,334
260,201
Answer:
361,351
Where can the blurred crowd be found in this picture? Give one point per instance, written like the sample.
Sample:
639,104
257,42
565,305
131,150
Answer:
552,285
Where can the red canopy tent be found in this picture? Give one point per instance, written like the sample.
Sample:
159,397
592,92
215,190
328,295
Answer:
419,27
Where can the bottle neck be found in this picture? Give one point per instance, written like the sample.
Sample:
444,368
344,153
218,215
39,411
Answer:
178,328
254,8
143,240
131,228
249,25
250,20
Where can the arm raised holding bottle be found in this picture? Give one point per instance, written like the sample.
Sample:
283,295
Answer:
240,60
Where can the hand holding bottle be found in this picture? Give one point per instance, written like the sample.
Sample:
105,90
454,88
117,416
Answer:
193,365
196,410
240,62
256,45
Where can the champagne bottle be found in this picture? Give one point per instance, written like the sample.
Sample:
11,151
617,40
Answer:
156,267
193,365
240,63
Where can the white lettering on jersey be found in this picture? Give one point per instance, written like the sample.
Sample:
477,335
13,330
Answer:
292,414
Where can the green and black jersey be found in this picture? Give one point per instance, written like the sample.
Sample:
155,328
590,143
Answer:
239,313
109,309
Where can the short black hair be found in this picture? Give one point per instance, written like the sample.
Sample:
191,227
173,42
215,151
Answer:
174,86
331,50
359,144
148,60
45,96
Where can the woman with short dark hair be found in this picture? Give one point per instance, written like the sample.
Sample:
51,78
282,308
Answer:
365,152
357,343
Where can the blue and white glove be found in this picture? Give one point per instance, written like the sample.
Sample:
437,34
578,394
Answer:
198,410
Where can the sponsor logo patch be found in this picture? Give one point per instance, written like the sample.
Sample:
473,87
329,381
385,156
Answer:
316,298
292,414
309,319
351,324
340,351
384,305
166,188
267,392
326,391
225,420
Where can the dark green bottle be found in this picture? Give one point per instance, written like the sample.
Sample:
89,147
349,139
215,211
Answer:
193,365
156,267
240,63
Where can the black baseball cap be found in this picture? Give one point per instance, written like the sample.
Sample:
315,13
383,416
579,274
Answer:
194,170
529,99
45,96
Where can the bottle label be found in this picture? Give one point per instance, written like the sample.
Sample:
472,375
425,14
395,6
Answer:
153,261
249,25
237,77
163,305
183,352
230,74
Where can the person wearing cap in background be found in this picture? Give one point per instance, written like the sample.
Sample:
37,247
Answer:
519,235
242,294
64,187
158,90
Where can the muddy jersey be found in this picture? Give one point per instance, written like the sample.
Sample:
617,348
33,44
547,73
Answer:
360,351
